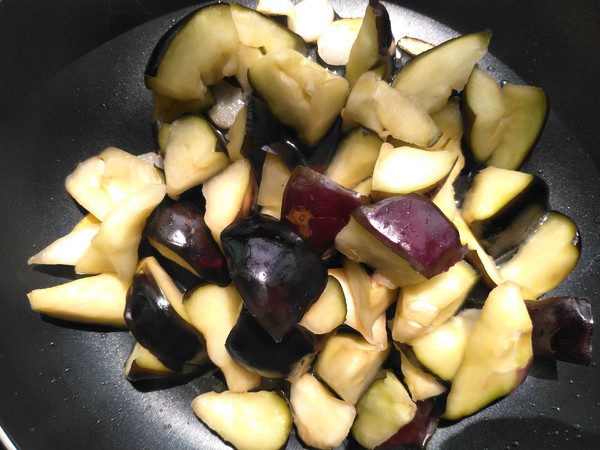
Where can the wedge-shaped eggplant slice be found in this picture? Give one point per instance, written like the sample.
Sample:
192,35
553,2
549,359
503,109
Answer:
354,158
328,312
503,123
562,328
214,311
441,351
277,273
179,232
383,409
247,420
256,30
193,154
497,356
420,384
424,306
502,207
388,112
102,181
366,302
99,299
546,257
155,316
69,248
252,347
229,196
374,47
405,238
403,170
348,364
309,400
299,92
431,76
115,247
197,52
335,44
275,176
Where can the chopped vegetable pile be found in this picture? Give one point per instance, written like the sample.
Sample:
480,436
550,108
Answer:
335,220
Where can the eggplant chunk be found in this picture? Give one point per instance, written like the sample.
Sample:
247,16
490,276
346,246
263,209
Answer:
503,207
99,299
503,123
155,316
193,154
431,76
252,347
214,311
309,400
380,108
299,92
180,68
178,231
248,420
348,364
277,273
99,183
374,47
497,356
383,409
562,328
546,257
405,238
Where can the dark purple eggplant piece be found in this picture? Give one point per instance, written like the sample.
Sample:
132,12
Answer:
562,328
277,273
262,128
251,346
418,432
180,227
156,325
415,229
317,208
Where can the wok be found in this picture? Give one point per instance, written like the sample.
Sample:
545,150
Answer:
71,84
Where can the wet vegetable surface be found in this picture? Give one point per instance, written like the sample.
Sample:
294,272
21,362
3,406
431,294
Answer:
83,124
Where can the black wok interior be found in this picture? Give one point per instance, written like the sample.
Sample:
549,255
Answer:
71,84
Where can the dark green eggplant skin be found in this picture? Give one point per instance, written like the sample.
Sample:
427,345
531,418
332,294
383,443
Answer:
156,325
163,43
505,230
262,129
562,328
277,273
180,226
252,347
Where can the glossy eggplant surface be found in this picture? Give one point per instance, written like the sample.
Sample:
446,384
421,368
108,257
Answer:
72,83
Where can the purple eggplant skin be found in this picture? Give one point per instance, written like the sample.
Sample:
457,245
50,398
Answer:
277,273
251,346
156,325
414,228
180,226
262,128
418,432
562,328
